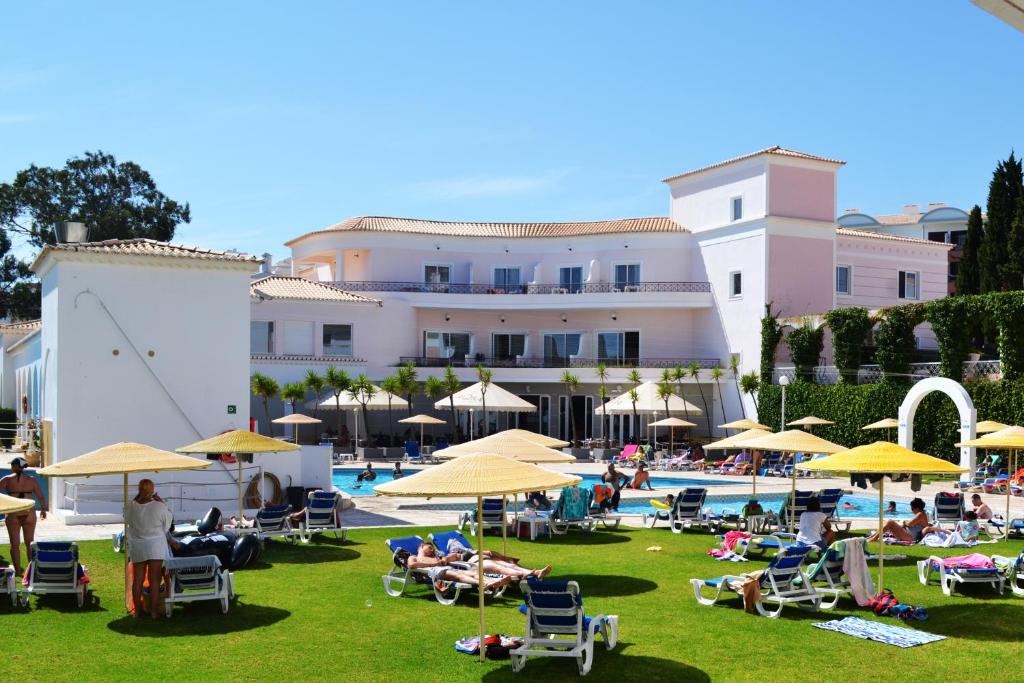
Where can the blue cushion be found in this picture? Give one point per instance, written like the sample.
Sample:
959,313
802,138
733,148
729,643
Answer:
410,544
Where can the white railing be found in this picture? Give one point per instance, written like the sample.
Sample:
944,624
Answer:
870,374
180,497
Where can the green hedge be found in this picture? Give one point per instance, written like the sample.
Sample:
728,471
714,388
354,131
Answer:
850,406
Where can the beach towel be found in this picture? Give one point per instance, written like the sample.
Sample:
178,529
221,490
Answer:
972,561
726,551
882,633
855,566
575,503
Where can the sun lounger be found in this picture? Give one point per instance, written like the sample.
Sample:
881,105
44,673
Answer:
400,576
321,516
827,576
783,582
762,544
949,508
1013,571
8,584
556,625
198,578
950,576
54,568
572,511
609,520
494,515
787,508
829,501
272,520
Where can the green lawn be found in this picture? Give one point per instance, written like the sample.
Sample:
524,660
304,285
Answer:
320,610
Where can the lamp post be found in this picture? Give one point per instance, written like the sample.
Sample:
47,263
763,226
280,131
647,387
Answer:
783,382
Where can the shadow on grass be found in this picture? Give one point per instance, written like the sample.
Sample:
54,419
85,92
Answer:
611,665
66,603
608,586
201,619
999,622
310,554
602,537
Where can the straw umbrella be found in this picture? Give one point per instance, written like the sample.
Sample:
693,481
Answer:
1011,438
744,425
123,458
809,422
887,423
238,441
794,441
738,441
989,426
477,475
9,505
297,419
542,439
421,420
671,423
882,457
508,445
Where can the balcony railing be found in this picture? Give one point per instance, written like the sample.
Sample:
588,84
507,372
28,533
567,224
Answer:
532,288
573,362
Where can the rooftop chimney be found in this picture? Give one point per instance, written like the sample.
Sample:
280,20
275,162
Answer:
268,264
70,231
847,212
911,209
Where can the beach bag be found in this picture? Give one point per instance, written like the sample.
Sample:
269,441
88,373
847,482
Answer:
883,602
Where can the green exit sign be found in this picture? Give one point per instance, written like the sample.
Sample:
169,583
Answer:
232,410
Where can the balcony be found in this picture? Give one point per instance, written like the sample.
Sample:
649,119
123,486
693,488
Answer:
586,295
471,361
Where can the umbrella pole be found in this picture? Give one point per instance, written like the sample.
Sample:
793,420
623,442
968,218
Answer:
124,544
792,500
671,441
504,527
756,463
881,525
238,459
480,569
421,439
1009,475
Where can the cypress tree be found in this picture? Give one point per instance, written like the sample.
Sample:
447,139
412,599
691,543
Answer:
968,276
996,266
1014,268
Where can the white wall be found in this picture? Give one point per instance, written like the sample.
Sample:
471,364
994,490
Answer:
704,201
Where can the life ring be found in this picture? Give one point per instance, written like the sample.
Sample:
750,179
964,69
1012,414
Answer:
253,499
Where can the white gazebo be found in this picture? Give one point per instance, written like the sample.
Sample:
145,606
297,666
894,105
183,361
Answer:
647,403
378,401
496,400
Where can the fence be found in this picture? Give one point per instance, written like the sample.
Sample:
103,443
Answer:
871,374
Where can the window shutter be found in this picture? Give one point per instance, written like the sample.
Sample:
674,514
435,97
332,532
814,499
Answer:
903,285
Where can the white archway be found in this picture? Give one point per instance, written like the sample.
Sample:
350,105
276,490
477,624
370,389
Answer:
964,406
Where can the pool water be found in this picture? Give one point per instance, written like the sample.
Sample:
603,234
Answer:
866,506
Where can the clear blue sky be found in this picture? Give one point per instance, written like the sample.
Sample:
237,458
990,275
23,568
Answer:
272,120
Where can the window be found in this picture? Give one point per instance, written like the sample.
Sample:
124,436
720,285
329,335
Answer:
261,336
908,285
737,208
843,280
506,279
627,275
298,338
558,348
620,348
437,276
451,346
505,347
958,237
571,279
337,340
735,284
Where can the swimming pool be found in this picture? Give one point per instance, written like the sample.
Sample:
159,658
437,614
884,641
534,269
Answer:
866,506
344,479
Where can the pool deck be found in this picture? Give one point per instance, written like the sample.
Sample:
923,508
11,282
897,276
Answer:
374,511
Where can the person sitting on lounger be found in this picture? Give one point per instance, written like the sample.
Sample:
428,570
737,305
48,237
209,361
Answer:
641,477
981,508
908,531
368,474
815,529
968,528
538,500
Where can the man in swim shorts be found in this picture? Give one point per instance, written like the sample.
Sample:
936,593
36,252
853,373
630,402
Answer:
20,485
368,474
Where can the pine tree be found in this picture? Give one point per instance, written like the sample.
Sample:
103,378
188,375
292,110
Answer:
996,272
968,276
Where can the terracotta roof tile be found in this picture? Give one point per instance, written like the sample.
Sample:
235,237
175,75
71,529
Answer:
849,232
774,151
512,230
299,289
145,247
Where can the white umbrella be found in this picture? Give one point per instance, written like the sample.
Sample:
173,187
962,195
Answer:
647,402
497,399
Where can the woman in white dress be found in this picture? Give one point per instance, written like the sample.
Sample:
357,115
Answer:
148,522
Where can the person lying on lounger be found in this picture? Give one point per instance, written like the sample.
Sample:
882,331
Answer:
494,563
439,570
908,531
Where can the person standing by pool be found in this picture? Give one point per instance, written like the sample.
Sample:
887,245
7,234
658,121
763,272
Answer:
148,522
20,485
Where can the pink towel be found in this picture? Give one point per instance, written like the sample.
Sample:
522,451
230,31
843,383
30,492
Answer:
972,561
731,539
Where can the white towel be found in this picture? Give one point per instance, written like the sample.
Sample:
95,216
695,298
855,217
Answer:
855,566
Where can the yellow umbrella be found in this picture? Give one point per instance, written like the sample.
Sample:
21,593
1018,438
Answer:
882,457
123,458
671,423
887,423
1011,438
988,426
744,424
239,441
9,505
542,439
738,441
477,475
794,441
297,419
810,421
421,420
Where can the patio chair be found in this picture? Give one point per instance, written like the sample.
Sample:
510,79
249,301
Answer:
609,520
556,625
829,501
788,505
951,574
198,578
8,584
1013,571
688,510
494,512
572,510
783,582
400,576
272,520
321,516
413,454
54,568
949,508
827,576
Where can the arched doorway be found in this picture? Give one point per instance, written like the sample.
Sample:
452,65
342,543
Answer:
964,406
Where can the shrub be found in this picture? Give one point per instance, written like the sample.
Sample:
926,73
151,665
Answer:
894,342
771,335
1007,310
805,344
850,327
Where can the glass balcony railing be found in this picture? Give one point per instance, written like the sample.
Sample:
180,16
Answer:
472,360
532,288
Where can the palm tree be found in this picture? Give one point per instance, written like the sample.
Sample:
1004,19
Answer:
484,376
665,392
694,371
636,379
391,386
361,390
433,389
293,393
316,384
337,381
734,368
679,374
602,393
634,396
572,383
408,384
266,388
716,374
452,384
750,383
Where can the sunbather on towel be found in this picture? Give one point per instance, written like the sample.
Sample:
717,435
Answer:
908,531
968,528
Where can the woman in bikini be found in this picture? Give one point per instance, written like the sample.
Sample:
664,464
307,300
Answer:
908,531
20,485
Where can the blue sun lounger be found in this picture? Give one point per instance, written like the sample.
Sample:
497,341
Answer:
949,508
1013,571
198,578
556,625
688,510
400,576
949,577
494,512
8,584
55,569
272,520
827,574
321,517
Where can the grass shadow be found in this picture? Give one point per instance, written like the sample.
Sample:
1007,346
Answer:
602,537
614,665
608,586
201,619
315,553
66,603
997,622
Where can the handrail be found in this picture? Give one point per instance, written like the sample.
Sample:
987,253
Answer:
472,360
525,288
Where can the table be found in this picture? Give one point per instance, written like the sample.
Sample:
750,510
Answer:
530,526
